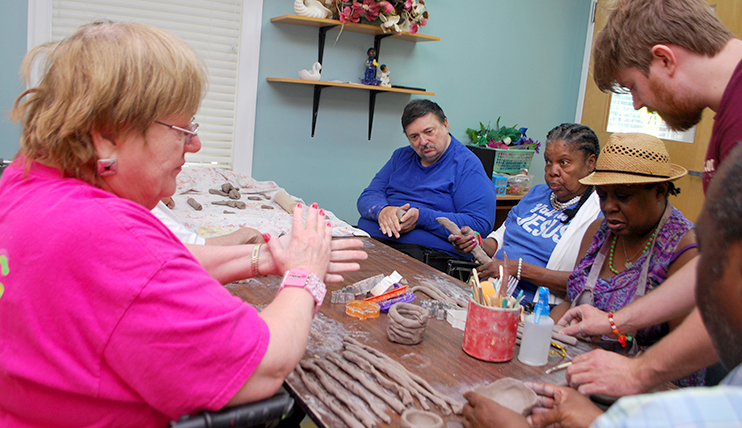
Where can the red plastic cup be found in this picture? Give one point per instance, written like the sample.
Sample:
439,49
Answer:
490,332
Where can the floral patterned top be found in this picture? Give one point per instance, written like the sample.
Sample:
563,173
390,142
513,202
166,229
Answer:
619,290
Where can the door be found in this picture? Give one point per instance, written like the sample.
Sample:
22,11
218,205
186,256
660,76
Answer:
689,155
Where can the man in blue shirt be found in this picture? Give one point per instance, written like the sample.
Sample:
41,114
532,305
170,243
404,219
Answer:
719,297
435,176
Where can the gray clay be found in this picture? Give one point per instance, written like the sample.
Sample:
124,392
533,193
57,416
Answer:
356,373
413,418
407,323
510,393
332,404
340,393
416,380
349,384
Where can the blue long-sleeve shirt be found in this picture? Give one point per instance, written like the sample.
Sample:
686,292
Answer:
455,187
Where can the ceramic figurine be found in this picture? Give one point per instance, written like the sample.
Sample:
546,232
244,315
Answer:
314,74
369,78
311,9
384,76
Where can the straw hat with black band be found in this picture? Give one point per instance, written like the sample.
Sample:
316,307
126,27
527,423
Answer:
633,158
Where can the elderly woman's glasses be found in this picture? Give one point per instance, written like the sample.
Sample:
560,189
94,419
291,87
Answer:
190,133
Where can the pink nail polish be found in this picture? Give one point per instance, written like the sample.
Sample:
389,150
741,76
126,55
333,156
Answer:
314,205
328,224
322,212
298,205
457,238
266,237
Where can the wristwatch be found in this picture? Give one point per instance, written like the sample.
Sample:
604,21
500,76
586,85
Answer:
307,280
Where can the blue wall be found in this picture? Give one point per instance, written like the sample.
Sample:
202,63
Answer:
13,21
517,59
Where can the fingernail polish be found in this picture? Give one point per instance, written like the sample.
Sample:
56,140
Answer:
298,205
322,212
314,205
328,224
457,238
266,237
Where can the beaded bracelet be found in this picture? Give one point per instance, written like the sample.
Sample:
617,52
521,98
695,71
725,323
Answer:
520,267
622,338
479,238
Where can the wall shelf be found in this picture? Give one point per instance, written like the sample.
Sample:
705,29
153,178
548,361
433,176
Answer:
324,25
355,28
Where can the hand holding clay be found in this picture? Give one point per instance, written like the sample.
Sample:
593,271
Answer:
309,245
562,406
389,223
409,220
481,412
465,242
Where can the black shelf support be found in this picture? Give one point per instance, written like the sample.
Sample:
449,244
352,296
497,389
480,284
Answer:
371,107
318,88
315,105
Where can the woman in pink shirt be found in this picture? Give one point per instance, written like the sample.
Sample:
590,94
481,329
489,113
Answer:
106,319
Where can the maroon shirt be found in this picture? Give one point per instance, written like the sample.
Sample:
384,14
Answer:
727,130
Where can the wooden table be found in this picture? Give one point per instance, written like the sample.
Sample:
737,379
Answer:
439,358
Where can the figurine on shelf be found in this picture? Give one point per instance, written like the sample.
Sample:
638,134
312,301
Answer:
369,77
384,76
314,74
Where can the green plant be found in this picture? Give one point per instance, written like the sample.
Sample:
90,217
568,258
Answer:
485,134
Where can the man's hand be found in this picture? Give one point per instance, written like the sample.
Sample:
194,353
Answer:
607,373
409,219
481,412
389,222
559,406
465,242
586,320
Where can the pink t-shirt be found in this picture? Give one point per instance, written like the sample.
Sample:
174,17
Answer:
106,319
727,130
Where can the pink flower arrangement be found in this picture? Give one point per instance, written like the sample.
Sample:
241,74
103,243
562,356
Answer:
392,15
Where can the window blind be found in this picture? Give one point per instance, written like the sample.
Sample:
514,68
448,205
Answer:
211,27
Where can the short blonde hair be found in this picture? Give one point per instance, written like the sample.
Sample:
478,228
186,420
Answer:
114,78
635,26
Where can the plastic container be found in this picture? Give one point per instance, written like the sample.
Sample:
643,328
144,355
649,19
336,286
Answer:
490,332
500,191
500,180
512,161
518,184
536,342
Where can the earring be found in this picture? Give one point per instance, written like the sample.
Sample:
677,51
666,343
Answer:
107,166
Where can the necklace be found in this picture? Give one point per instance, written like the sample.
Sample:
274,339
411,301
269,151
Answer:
559,206
628,263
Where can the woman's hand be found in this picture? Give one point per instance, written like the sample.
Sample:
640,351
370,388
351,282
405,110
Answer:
560,406
481,412
342,253
308,246
491,269
465,242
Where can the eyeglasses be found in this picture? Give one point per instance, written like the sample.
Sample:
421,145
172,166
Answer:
190,133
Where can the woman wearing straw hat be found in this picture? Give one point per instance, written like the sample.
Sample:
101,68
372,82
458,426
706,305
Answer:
640,241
